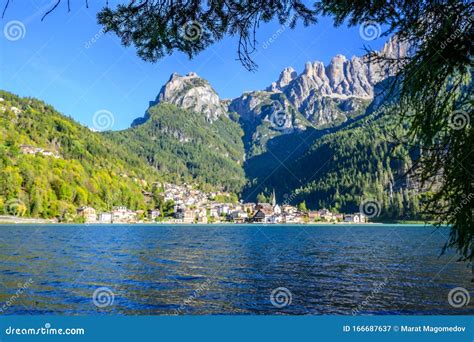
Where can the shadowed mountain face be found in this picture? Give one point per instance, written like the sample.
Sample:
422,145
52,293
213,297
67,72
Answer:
296,136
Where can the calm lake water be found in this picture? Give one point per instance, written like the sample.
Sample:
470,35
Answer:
154,270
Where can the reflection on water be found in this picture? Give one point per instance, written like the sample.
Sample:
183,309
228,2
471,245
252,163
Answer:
229,270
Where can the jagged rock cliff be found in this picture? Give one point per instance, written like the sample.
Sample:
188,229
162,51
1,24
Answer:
194,93
327,95
322,95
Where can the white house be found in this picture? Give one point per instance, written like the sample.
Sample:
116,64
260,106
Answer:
105,218
223,209
123,215
355,218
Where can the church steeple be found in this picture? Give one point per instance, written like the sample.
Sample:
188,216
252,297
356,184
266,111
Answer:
274,198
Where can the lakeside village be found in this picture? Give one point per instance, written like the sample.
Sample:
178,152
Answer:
189,205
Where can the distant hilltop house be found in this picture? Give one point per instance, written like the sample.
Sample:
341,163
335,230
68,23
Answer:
14,109
28,149
88,213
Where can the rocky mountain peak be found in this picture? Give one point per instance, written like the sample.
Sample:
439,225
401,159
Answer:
342,77
395,48
326,94
323,95
286,76
193,93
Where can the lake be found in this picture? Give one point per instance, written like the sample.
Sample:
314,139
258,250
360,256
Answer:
231,269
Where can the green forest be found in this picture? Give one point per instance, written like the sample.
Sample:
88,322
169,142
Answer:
186,147
366,160
90,169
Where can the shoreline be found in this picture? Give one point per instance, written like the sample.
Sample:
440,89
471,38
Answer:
4,219
49,223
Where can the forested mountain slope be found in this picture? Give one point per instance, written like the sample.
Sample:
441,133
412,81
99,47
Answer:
50,164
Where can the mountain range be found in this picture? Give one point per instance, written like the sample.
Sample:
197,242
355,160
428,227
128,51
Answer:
319,136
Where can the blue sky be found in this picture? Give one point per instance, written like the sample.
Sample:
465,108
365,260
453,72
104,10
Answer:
57,61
